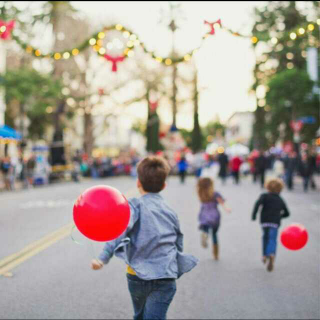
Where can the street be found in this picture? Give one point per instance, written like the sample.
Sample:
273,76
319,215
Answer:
56,282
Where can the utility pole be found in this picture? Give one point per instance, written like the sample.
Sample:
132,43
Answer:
173,28
173,13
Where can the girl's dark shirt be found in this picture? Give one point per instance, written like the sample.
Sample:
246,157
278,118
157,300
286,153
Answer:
273,208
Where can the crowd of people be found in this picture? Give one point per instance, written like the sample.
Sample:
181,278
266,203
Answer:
284,165
17,169
36,170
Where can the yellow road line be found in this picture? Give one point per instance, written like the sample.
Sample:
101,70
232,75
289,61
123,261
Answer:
12,261
29,251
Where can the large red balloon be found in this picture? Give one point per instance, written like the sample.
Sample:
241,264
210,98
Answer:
294,237
101,213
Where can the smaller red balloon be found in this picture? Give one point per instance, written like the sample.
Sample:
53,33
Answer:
294,237
101,213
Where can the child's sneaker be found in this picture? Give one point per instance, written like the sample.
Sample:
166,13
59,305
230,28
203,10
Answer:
204,240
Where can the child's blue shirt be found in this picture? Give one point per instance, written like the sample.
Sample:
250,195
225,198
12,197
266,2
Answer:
152,245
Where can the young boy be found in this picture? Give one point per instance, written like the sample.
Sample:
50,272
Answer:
151,246
273,210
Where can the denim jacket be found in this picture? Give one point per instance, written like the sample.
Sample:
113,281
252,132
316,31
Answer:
152,245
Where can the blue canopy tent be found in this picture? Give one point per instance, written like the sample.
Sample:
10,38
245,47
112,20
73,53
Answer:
8,133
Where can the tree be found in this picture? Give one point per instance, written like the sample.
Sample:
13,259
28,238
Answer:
214,129
279,48
29,93
197,140
298,102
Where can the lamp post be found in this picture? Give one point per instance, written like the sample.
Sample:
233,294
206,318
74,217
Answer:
174,13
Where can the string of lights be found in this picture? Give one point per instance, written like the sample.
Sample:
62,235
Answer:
132,40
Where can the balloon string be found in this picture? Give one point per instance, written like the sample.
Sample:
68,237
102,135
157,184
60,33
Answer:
90,246
73,239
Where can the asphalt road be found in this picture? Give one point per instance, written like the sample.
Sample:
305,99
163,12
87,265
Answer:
58,283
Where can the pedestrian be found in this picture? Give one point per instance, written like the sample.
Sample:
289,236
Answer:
261,165
278,168
182,168
312,160
198,163
223,162
305,170
209,215
273,210
235,168
290,164
151,246
31,164
6,169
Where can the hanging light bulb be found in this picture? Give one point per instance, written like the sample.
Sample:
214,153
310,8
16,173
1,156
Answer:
101,35
310,27
75,51
274,40
293,35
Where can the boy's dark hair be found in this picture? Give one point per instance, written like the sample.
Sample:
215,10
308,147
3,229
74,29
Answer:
152,173
274,185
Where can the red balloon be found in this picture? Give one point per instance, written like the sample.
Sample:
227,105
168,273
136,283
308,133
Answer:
294,237
101,213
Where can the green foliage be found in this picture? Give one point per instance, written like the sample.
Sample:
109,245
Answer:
277,20
33,92
8,11
187,136
290,97
152,133
214,129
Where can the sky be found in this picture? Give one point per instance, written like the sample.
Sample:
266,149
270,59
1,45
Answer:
224,63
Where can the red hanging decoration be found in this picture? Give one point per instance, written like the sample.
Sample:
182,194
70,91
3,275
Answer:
5,35
153,105
114,61
211,24
101,91
162,135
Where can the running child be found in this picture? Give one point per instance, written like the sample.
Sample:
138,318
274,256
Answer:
273,210
151,246
209,215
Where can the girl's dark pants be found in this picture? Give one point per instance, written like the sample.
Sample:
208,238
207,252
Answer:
214,231
151,298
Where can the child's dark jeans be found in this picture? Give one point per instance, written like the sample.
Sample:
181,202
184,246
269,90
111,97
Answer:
214,231
269,241
151,298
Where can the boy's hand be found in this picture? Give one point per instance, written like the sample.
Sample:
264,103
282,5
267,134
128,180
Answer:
228,210
96,264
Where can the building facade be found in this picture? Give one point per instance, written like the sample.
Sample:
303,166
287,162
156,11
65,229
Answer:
239,128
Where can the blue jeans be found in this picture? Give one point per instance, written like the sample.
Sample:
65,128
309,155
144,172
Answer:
269,241
214,231
151,298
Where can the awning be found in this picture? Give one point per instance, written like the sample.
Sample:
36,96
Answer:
7,132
